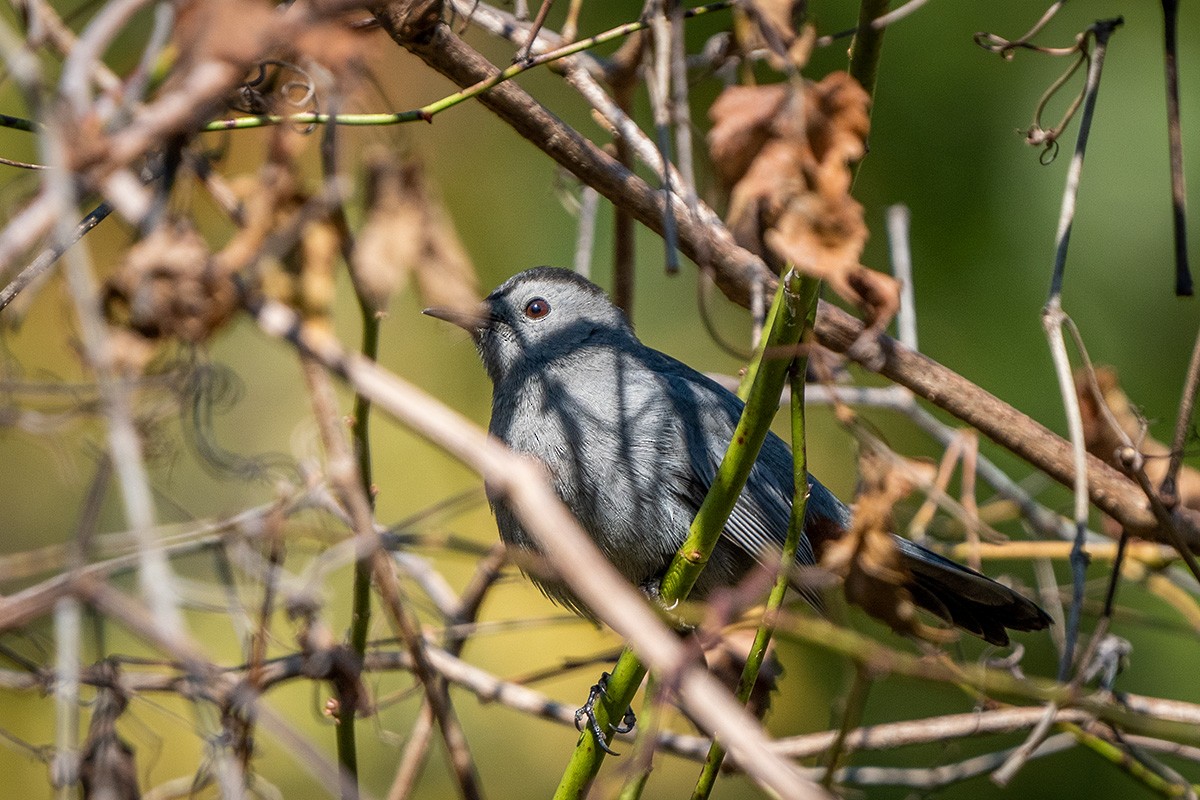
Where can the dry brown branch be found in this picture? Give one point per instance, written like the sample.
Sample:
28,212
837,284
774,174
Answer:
1112,492
441,49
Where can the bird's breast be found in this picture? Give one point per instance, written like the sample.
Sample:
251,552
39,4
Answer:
610,450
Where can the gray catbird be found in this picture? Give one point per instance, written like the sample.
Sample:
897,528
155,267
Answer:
632,439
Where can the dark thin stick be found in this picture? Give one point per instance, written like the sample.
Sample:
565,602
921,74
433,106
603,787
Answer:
1168,490
1110,597
1102,31
1183,275
360,615
47,257
658,82
19,124
534,29
1052,320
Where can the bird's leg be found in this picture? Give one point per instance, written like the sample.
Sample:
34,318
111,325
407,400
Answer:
587,715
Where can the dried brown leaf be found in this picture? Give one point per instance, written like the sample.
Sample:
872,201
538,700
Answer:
231,31
335,45
775,28
267,201
866,557
409,232
1103,441
393,237
742,118
320,249
790,168
445,275
168,285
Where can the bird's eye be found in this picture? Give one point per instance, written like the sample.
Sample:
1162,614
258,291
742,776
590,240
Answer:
537,308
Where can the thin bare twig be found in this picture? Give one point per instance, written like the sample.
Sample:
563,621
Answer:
46,259
937,777
898,219
1183,275
1006,47
1167,488
658,84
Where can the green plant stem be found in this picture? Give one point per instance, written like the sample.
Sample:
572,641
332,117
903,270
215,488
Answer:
585,761
868,42
360,619
786,323
1119,757
864,52
784,326
647,727
809,289
852,715
427,112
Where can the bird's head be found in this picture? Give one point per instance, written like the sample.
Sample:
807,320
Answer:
536,317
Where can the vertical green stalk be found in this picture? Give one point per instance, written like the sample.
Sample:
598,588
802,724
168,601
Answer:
716,753
360,615
868,42
782,334
865,50
648,725
786,323
852,714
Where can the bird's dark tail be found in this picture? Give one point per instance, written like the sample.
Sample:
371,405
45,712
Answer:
965,598
957,594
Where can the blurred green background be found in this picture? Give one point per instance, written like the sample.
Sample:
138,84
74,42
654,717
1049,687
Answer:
944,141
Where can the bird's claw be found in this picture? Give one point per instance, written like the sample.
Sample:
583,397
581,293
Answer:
628,722
586,715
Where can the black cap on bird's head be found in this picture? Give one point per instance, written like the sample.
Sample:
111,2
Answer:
536,316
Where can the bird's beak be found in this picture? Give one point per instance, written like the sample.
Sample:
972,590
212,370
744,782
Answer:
473,322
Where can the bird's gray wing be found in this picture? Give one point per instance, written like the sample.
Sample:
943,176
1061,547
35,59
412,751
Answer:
708,414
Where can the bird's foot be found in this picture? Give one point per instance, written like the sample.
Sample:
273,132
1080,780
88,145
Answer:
586,715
